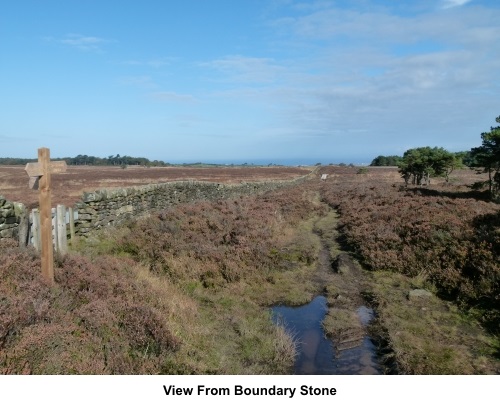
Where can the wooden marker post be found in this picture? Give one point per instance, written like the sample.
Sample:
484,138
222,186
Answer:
39,174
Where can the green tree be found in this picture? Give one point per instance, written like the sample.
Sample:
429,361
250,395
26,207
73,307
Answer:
487,157
464,158
418,165
392,160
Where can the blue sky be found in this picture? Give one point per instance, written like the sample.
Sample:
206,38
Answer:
247,80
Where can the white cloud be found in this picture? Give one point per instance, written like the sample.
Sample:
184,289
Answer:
170,96
378,72
144,81
454,3
155,63
81,42
246,69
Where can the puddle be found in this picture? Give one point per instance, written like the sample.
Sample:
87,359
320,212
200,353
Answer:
365,315
317,354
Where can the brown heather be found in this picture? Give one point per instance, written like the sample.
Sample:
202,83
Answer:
123,307
224,241
445,234
98,319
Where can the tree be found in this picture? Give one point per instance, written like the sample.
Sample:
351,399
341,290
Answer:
420,164
487,157
386,160
464,158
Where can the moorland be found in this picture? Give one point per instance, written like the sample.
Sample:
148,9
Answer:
67,188
187,290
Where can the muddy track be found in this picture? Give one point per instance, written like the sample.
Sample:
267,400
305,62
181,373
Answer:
341,280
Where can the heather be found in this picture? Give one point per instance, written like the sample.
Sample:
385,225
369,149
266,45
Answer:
100,318
183,291
443,234
187,289
218,243
442,238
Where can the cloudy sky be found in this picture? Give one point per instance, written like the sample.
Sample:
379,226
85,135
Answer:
247,80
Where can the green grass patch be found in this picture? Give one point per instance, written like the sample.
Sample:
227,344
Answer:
427,335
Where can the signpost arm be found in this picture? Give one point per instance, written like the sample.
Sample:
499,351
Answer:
47,254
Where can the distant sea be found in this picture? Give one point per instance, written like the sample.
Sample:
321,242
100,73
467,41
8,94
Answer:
266,162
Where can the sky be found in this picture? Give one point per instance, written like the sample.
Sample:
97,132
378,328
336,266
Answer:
276,81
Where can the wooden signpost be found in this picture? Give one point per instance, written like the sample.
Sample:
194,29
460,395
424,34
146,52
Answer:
39,174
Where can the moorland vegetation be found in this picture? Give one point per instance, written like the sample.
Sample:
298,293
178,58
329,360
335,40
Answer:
187,290
184,291
442,238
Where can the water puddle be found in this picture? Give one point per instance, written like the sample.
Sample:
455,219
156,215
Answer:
318,355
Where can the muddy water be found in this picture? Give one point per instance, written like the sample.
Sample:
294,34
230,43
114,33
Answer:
317,354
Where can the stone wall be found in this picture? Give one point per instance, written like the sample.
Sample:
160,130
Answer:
13,220
113,206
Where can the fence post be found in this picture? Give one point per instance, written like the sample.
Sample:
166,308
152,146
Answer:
24,226
35,228
54,229
71,224
62,238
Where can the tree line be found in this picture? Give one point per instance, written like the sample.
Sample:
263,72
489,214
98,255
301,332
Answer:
111,160
418,165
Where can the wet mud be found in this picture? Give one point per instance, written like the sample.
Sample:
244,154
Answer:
332,331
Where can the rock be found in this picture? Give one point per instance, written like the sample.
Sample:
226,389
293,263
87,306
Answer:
7,212
19,209
7,233
419,294
92,197
10,220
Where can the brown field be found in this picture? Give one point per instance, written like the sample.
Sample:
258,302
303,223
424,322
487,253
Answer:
67,188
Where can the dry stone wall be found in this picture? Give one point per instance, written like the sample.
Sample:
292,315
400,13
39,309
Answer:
113,206
109,207
13,220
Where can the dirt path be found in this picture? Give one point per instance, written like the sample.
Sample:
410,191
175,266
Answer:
342,283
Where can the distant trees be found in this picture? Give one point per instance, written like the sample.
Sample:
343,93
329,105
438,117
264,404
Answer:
93,161
15,161
386,160
418,165
111,160
487,157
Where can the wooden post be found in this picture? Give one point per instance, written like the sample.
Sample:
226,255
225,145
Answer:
46,216
62,237
71,225
24,224
39,174
54,230
35,228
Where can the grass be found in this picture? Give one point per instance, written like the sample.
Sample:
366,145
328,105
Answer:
428,335
327,228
